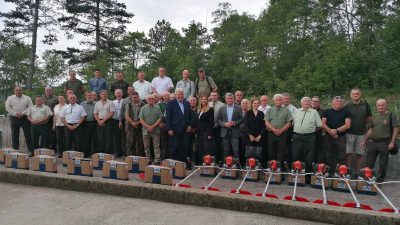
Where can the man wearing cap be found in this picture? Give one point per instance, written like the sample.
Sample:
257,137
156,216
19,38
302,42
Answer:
17,106
162,83
204,85
335,121
186,85
39,116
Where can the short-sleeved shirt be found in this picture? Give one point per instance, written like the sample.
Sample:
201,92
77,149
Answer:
359,115
97,84
142,88
89,108
102,109
73,113
306,121
150,115
187,86
76,86
381,127
51,101
203,88
39,113
336,118
278,117
162,84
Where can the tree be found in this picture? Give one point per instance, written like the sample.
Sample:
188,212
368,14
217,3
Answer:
52,69
14,63
99,19
25,20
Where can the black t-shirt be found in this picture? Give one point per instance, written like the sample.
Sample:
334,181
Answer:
336,118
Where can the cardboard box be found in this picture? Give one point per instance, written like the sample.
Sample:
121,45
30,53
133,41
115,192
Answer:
115,170
275,179
340,185
251,176
43,151
99,158
45,163
17,160
316,183
80,167
230,174
208,171
5,151
178,168
137,164
68,155
301,180
158,175
366,189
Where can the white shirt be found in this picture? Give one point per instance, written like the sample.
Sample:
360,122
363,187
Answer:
264,109
117,105
16,104
142,88
291,108
57,115
73,113
162,84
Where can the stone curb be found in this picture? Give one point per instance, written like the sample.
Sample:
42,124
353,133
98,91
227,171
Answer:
188,196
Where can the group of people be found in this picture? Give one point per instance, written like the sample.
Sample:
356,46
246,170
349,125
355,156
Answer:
147,119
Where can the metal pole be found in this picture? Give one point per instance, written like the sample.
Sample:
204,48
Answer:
295,188
180,182
241,184
216,177
323,191
396,210
266,186
358,205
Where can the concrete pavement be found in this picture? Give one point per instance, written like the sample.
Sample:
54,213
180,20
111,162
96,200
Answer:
31,205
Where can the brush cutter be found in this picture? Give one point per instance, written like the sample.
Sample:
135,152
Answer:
251,166
273,168
297,168
368,176
230,166
343,171
181,184
321,171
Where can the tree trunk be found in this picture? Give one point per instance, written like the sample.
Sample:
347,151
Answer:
98,27
33,45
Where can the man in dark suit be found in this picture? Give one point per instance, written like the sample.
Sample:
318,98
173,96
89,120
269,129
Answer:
178,126
230,117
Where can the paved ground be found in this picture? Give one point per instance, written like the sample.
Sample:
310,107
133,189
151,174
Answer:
22,204
282,190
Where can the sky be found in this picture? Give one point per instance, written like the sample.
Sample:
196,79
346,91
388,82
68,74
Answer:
178,12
